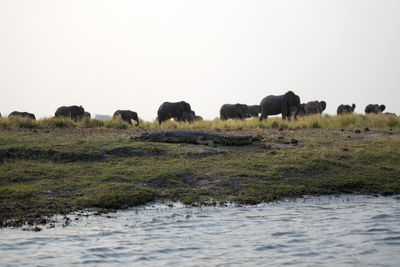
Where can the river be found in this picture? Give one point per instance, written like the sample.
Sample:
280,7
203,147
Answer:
349,230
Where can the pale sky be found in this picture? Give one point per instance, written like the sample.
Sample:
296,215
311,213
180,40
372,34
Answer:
124,54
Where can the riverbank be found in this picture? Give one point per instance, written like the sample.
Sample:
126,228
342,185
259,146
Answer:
52,170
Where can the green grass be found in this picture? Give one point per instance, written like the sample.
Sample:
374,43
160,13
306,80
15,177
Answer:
44,171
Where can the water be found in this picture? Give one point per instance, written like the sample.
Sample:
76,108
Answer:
339,231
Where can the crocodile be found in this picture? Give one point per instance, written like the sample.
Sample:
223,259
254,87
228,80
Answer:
193,137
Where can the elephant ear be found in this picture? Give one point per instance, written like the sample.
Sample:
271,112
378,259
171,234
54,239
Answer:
181,107
322,105
382,108
297,101
286,102
184,106
288,98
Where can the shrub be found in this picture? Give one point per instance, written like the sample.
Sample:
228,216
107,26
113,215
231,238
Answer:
21,122
60,122
392,121
96,123
275,125
5,123
116,123
89,123
283,125
315,124
346,120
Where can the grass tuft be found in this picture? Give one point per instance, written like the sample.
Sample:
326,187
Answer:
57,122
116,123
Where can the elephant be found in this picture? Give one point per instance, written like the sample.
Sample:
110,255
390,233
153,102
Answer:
254,110
87,115
280,104
189,117
169,110
374,108
301,112
235,111
23,115
74,112
315,107
127,115
345,109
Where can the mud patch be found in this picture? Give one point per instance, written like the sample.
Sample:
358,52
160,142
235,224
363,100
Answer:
56,156
127,152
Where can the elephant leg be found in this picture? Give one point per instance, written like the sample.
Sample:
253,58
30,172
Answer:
295,115
286,114
263,117
161,119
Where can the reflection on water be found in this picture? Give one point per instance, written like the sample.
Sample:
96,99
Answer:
346,230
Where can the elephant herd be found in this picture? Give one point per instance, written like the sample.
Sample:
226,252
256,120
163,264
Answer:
77,113
287,105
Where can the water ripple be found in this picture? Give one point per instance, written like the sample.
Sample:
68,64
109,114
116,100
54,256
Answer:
346,230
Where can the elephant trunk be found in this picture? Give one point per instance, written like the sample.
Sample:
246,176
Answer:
297,103
298,108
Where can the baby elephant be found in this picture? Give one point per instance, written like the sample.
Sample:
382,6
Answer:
127,115
235,111
342,109
374,108
315,107
23,115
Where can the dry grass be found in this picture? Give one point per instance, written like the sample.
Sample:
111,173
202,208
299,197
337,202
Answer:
372,121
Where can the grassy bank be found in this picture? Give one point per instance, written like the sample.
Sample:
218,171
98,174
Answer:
46,170
307,122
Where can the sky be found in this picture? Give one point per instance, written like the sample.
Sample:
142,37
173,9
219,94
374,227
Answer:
125,54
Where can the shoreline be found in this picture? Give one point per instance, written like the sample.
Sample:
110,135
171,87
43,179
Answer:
85,216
